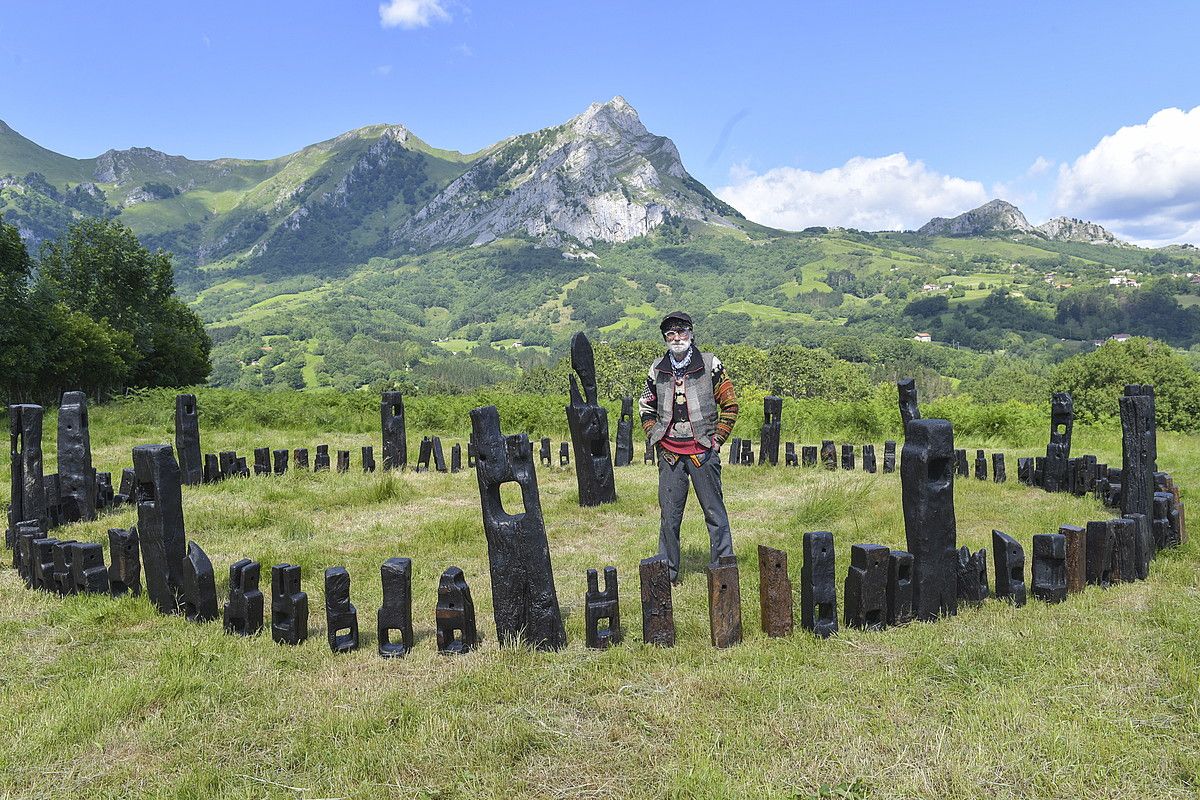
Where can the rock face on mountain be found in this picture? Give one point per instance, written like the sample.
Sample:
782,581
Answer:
1068,229
600,176
996,216
999,216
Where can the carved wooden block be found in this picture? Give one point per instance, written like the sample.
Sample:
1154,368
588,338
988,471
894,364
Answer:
198,592
395,443
818,590
972,576
187,440
658,619
394,626
289,605
774,592
1049,575
243,612
1009,558
523,592
927,491
724,602
808,455
900,587
455,617
865,595
1075,557
341,617
602,611
125,566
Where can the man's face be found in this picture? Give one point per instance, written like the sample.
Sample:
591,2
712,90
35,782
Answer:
679,339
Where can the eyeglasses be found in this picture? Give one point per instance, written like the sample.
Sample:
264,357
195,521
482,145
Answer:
681,334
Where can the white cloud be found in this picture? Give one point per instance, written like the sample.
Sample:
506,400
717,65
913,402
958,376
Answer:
383,70
412,13
887,193
1142,182
1027,189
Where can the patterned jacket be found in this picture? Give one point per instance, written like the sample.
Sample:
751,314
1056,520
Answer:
711,403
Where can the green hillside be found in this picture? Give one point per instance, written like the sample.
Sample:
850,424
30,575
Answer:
398,318
25,156
300,269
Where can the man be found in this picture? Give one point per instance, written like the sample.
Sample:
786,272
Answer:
688,410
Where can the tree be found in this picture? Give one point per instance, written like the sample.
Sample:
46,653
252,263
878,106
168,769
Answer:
1097,379
100,270
20,338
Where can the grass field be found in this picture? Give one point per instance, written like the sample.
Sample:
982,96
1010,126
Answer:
1096,697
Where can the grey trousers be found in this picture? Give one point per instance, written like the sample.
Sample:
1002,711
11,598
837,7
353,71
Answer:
672,497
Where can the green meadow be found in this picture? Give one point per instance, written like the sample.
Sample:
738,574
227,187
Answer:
1098,696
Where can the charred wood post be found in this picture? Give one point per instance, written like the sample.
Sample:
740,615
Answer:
125,566
27,498
455,617
76,478
909,408
341,617
818,591
243,612
391,419
900,587
198,594
588,421
972,576
658,617
865,595
1009,557
394,626
160,523
724,602
187,439
774,592
768,449
602,611
927,490
1049,578
624,455
524,597
1058,451
289,605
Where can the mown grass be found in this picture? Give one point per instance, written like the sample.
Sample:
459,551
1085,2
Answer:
1095,697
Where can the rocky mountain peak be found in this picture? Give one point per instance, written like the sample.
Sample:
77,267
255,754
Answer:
599,176
1069,229
995,216
121,167
610,120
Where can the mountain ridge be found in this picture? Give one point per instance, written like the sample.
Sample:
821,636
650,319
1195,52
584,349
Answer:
372,191
999,216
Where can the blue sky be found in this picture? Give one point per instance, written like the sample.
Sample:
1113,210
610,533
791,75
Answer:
875,115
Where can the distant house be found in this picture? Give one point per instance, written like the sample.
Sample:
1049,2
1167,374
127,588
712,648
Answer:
923,337
1120,337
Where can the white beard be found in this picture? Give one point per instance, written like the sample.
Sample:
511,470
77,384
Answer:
679,348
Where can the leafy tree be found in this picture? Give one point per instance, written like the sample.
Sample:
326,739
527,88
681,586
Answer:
1097,379
794,371
101,270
